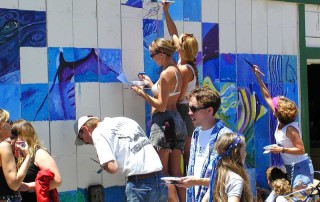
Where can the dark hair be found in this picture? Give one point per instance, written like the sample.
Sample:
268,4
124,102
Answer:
207,97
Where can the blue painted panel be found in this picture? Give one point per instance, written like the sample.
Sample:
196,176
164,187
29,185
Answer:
10,100
86,65
192,10
62,105
110,64
34,106
244,70
228,67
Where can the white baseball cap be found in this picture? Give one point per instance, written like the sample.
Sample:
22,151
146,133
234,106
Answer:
77,126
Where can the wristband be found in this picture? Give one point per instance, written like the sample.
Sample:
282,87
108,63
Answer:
282,150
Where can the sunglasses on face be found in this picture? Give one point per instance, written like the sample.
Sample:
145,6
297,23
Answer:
153,54
10,122
195,109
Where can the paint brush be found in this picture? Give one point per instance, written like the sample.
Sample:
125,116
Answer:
101,169
251,65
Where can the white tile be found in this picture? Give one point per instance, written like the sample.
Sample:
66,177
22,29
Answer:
85,19
243,12
10,4
87,99
227,11
87,171
151,10
111,106
108,8
259,12
132,34
29,65
35,5
134,107
132,63
59,28
109,24
290,41
274,14
59,6
131,12
194,28
179,25
109,180
290,15
109,29
210,10
62,137
312,42
312,24
67,165
274,40
259,38
243,38
312,7
43,133
227,38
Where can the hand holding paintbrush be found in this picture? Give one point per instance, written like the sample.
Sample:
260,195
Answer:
254,67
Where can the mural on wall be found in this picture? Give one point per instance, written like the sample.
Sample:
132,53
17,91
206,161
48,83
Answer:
19,28
242,109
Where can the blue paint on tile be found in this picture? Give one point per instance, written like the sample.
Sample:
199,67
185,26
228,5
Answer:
10,100
110,65
32,96
62,104
228,67
192,10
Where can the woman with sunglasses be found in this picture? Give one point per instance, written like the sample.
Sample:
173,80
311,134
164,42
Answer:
168,131
288,137
187,46
10,177
40,160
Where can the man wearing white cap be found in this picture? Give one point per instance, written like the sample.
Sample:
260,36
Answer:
122,146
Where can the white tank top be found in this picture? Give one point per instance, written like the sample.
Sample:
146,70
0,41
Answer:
191,84
283,141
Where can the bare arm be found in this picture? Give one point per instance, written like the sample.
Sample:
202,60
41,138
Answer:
266,95
13,177
296,140
45,161
190,181
159,102
170,24
111,167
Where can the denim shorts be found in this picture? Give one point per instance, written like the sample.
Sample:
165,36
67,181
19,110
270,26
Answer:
300,173
183,109
168,130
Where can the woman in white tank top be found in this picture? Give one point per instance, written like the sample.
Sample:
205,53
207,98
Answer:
187,46
288,137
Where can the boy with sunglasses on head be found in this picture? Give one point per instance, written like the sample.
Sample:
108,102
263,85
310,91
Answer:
203,105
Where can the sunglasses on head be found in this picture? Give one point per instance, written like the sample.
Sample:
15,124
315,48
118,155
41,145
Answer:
195,109
183,39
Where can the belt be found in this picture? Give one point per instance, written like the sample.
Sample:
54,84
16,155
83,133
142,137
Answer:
144,176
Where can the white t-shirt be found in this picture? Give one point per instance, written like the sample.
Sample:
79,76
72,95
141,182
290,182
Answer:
123,140
202,146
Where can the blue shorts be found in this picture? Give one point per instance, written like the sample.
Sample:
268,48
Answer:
300,173
168,130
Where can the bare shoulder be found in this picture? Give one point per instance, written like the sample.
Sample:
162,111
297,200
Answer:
5,146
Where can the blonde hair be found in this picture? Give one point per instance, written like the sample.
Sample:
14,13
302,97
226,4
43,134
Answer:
23,130
287,110
188,44
4,116
281,186
162,45
231,162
